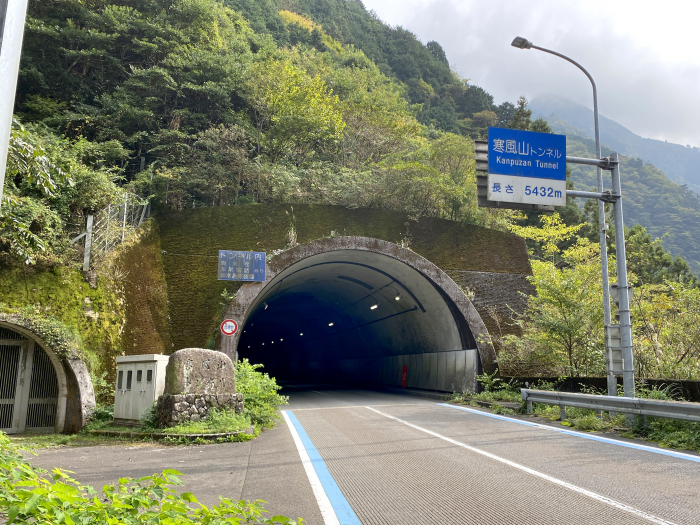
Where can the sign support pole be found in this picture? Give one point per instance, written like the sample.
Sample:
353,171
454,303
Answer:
613,163
12,16
623,289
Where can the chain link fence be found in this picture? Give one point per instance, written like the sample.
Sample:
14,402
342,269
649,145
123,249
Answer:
110,226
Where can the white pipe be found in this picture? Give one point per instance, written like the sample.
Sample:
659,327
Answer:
10,52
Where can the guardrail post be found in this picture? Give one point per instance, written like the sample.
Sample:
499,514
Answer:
562,413
529,407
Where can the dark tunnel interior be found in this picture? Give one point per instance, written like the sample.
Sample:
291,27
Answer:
352,316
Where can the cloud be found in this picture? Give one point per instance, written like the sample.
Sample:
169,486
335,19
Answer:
647,80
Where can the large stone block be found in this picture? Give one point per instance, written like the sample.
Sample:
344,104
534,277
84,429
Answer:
199,371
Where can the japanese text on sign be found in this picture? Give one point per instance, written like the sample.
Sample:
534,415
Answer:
527,154
241,266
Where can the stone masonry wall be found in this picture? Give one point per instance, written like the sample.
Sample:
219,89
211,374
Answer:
181,408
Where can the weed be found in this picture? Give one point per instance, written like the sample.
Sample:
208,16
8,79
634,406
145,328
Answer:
500,409
216,421
489,382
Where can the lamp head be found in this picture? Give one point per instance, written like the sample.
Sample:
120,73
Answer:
521,43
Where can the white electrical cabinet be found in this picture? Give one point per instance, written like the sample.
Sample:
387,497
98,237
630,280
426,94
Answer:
140,380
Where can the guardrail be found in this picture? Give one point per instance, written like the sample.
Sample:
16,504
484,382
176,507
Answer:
626,405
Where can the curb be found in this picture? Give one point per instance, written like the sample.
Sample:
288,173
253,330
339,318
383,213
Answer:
160,435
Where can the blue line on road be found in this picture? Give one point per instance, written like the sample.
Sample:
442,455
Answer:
593,437
342,508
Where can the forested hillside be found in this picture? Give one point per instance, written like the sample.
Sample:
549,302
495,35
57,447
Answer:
667,210
447,102
679,163
217,113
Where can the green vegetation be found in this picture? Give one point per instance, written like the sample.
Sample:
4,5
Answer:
217,421
260,394
666,432
667,210
33,495
562,329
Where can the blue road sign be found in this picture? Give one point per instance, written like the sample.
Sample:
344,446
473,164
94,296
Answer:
527,154
241,266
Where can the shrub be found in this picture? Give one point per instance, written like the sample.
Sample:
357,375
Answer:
260,394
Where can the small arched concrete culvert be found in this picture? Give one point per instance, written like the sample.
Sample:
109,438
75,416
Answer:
355,309
42,390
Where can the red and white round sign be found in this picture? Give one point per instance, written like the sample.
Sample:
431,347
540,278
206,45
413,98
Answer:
229,327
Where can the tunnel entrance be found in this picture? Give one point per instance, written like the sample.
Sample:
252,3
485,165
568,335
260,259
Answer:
362,316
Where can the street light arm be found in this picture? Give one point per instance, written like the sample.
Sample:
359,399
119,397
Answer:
595,92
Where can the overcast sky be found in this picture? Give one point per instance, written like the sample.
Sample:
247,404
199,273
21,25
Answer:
644,56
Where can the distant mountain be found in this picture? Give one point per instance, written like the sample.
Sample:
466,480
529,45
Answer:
680,163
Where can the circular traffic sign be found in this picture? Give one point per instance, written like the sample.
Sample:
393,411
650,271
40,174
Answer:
229,327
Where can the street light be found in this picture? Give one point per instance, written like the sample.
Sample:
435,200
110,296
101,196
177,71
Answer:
524,43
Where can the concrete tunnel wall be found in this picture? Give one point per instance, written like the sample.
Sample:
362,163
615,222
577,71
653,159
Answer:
359,309
174,299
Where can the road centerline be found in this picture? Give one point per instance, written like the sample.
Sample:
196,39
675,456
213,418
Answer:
574,488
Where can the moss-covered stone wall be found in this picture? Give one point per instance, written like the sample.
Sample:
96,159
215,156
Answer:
140,263
190,241
62,293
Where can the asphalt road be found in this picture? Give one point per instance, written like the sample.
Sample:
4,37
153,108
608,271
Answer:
353,456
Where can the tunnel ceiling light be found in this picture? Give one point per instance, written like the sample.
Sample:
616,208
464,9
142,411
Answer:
265,306
301,334
397,297
263,344
374,307
248,346
272,342
330,324
281,340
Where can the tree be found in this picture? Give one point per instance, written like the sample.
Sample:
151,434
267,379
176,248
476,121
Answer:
437,51
485,119
562,329
521,118
296,113
650,263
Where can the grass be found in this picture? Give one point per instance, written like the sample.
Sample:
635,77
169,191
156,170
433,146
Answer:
38,441
217,421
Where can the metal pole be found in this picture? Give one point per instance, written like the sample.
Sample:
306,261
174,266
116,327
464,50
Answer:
126,201
88,243
12,15
603,227
623,290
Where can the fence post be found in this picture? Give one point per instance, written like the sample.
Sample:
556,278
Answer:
109,220
143,212
88,243
126,205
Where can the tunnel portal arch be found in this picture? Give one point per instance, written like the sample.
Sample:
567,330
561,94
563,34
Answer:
41,390
360,309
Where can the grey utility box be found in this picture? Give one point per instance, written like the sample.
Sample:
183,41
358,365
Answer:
140,380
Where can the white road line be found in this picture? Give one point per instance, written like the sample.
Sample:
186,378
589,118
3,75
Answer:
294,409
324,504
556,481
